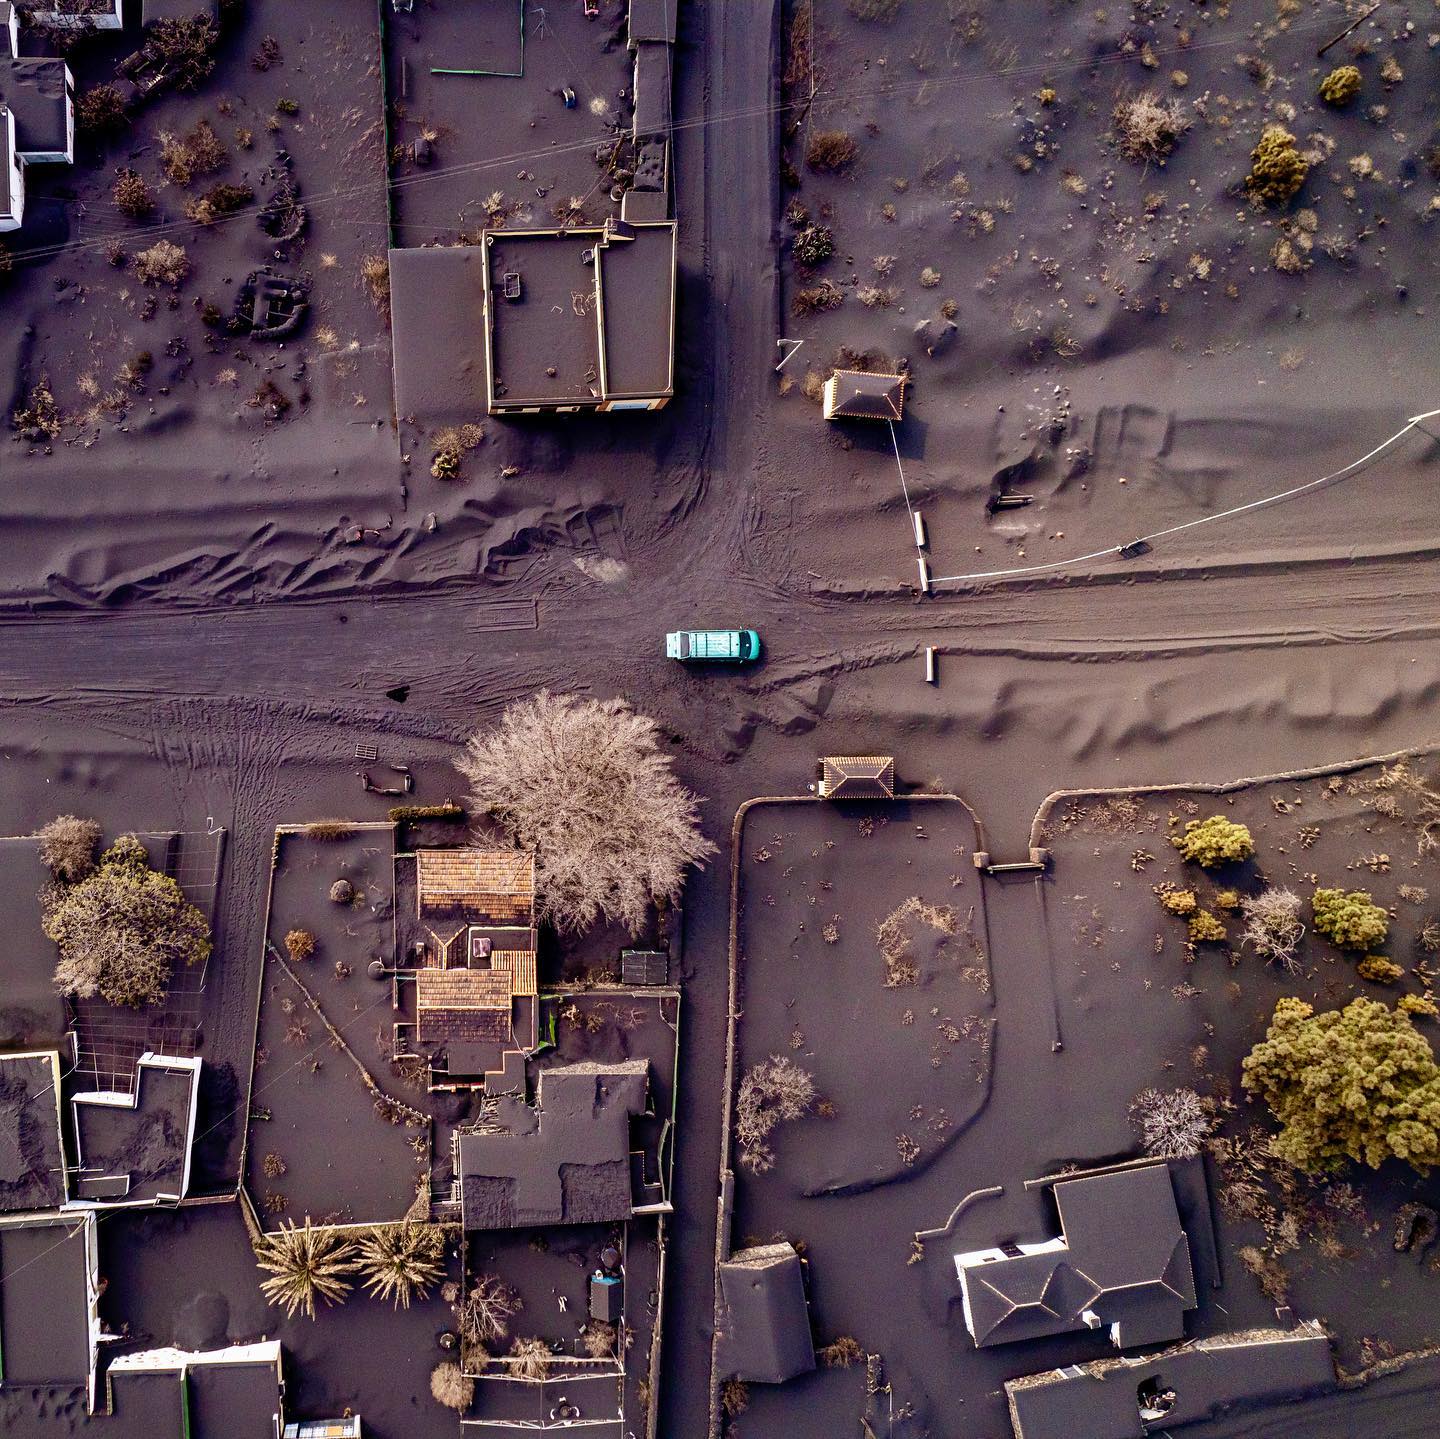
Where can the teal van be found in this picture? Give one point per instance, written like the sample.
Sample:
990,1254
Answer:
734,646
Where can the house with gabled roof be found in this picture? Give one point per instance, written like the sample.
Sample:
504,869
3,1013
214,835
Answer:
859,395
1121,1263
849,776
476,1005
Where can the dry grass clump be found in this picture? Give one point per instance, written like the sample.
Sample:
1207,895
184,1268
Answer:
484,1315
164,263
39,417
585,784
330,829
1173,1124
450,1386
771,1092
184,157
68,846
401,1261
299,944
1274,1282
734,1397
873,11
841,1353
598,1339
529,1359
218,201
831,152
305,1264
896,941
375,279
816,299
1147,128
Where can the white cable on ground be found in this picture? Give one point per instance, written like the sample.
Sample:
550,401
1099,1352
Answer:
1112,550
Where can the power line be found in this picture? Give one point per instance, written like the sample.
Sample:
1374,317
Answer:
1115,550
405,182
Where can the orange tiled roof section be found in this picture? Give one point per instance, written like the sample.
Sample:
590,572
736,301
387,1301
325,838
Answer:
462,989
479,884
520,963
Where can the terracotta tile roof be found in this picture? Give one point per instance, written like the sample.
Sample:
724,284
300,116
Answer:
474,1026
520,967
858,777
496,884
462,989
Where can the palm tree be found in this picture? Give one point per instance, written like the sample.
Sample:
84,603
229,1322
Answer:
305,1263
401,1261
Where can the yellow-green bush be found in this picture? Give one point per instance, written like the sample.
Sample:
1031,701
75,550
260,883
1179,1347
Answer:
1176,901
1277,168
1358,1083
1378,970
1205,928
1227,900
1418,1004
1340,86
1350,919
1213,842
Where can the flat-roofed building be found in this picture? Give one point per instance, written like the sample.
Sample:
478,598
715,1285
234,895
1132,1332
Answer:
37,116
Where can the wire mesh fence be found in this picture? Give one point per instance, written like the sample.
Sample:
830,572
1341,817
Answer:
110,1040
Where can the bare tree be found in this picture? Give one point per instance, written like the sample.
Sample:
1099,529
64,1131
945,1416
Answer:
772,1091
1273,928
585,784
1173,1124
485,1313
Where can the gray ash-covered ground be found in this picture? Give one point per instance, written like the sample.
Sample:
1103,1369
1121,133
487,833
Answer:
156,695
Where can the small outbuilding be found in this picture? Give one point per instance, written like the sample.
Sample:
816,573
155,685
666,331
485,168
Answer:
847,776
644,967
764,1316
859,395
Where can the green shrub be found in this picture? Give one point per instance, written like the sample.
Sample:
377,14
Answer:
410,813
1352,920
1277,168
122,929
831,151
1418,1004
1205,928
1340,86
1358,1083
330,829
1213,842
1378,970
814,245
